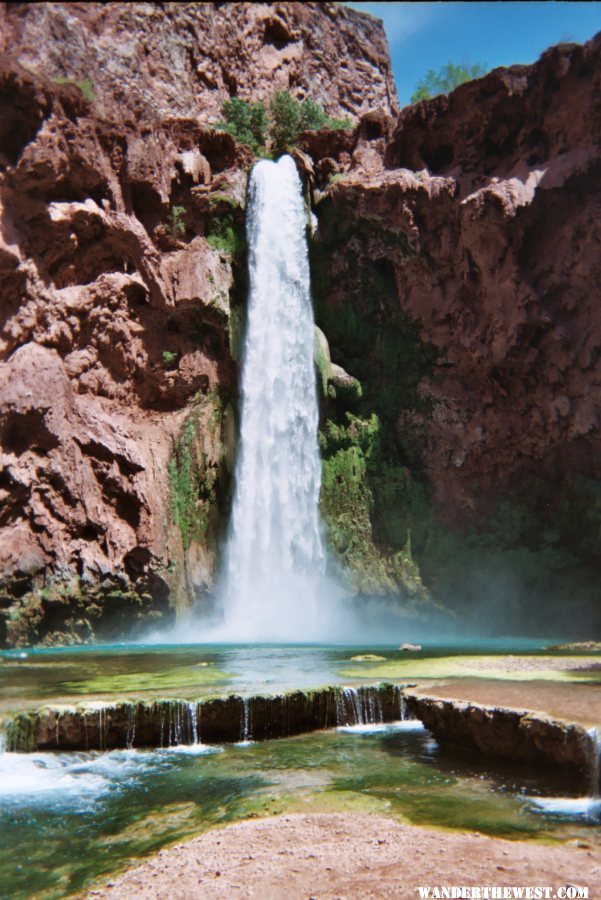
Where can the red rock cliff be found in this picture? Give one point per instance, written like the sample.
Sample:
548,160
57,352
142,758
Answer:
122,274
474,218
456,273
150,60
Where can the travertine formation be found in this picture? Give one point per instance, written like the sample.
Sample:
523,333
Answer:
474,218
492,194
122,274
147,60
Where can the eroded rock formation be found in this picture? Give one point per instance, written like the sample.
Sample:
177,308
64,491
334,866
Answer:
506,733
171,722
122,278
116,315
455,272
146,61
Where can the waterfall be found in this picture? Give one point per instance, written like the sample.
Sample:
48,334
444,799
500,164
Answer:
594,755
274,557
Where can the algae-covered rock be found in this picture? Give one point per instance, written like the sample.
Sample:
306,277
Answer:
347,388
323,361
368,657
199,477
350,453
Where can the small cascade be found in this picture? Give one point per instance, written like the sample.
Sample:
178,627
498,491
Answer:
402,706
175,725
179,722
193,723
2,739
103,724
183,723
359,706
372,706
246,723
131,727
594,762
172,723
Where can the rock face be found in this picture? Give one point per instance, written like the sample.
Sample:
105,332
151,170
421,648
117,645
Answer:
456,272
148,61
122,268
168,723
514,734
117,312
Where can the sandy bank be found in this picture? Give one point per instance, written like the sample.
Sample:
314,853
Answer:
327,856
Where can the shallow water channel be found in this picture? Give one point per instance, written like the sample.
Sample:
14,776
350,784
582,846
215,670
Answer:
69,818
143,671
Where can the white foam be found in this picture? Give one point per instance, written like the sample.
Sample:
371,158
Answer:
374,727
27,775
193,749
574,807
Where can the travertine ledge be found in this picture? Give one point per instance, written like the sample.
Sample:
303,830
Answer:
164,723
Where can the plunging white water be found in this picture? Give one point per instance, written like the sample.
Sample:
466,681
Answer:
275,559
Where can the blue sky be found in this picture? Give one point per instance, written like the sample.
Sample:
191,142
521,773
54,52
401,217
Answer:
426,36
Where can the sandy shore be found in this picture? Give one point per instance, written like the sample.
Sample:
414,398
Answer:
328,856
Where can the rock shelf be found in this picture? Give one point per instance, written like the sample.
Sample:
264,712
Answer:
171,722
509,733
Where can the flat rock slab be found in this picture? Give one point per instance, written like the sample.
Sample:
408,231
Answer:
327,856
577,703
511,721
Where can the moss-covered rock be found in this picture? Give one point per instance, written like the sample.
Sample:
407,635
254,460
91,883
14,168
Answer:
323,362
200,486
349,453
367,483
70,610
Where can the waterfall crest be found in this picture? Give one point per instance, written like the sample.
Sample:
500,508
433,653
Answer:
274,557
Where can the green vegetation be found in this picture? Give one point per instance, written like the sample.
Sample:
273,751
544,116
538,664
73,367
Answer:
194,481
351,456
321,352
85,86
20,733
288,118
226,233
446,80
247,122
175,225
180,680
369,495
170,359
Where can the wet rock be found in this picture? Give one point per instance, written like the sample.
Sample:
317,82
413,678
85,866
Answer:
516,734
164,723
579,646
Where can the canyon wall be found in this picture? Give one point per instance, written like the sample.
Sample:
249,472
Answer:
455,276
123,279
149,61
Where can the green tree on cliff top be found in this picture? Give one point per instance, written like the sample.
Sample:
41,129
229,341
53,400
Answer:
247,122
253,125
446,80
